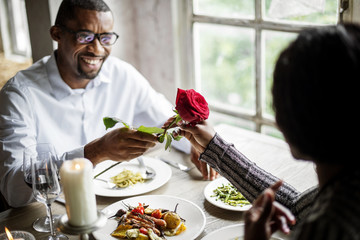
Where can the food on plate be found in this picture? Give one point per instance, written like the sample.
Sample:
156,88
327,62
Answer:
228,194
145,223
126,178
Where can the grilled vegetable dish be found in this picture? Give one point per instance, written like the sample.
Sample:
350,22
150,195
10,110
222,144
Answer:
143,223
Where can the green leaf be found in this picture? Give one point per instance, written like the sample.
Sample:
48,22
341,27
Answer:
176,138
109,122
168,140
161,138
178,118
150,130
126,125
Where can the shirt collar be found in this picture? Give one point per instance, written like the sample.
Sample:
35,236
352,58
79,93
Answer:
60,89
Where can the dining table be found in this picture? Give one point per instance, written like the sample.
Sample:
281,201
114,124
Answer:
269,153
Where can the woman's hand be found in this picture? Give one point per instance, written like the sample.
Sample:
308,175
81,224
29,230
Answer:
199,136
267,216
206,171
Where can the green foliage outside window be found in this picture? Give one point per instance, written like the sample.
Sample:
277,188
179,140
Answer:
225,55
227,64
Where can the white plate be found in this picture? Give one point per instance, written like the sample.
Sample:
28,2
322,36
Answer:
193,215
209,191
163,174
233,232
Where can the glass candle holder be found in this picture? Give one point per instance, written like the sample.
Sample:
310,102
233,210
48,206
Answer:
18,235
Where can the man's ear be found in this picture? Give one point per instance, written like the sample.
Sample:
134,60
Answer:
55,33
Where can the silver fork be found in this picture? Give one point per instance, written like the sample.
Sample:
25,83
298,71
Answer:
177,165
149,172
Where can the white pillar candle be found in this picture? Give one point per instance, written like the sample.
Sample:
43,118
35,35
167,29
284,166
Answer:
77,181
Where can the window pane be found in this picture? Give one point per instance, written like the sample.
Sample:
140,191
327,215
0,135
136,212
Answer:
275,42
225,64
216,118
18,35
20,24
225,8
306,11
271,131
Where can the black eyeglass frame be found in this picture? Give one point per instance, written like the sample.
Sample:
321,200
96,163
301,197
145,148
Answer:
96,35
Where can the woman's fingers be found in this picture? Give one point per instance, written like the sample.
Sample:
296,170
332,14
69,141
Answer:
283,211
276,185
266,204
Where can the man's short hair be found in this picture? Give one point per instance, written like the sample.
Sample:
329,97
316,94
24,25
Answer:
67,8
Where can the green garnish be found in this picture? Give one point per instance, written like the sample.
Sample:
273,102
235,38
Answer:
230,195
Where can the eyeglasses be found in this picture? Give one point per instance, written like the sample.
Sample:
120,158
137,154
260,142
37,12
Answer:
86,37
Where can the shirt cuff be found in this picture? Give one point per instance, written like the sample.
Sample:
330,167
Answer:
76,153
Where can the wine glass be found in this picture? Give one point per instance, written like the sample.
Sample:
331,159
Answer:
46,186
39,151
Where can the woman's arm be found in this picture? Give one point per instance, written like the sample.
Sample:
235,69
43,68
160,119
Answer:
252,180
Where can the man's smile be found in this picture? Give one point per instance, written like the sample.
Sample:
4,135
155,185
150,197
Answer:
91,60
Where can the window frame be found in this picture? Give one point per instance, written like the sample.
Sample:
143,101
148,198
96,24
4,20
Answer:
9,32
184,50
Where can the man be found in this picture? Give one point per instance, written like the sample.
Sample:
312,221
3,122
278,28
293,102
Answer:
62,99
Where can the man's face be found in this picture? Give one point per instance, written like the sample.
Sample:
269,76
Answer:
83,61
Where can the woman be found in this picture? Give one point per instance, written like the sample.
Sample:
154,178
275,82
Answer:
316,82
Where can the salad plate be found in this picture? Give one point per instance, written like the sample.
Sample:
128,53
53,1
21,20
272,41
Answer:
233,232
194,217
162,170
209,196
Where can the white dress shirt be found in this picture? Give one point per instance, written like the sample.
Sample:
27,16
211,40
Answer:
37,106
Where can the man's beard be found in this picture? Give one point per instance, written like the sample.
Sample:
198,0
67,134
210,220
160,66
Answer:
90,75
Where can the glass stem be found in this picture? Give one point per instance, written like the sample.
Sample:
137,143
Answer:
49,212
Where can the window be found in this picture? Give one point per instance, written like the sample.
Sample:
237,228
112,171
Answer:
232,46
14,28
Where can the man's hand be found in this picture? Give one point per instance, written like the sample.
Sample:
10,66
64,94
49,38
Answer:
267,216
119,145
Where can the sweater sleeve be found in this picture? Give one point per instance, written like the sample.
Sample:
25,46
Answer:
252,180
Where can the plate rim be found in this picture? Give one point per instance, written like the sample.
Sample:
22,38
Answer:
222,229
117,193
134,198
237,225
214,183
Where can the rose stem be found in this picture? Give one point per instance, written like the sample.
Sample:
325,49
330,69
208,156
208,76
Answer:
106,169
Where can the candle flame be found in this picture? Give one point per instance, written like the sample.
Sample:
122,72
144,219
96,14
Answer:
77,166
8,234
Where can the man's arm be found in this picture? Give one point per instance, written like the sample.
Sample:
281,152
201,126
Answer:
16,132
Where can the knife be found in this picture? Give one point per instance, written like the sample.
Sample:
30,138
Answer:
60,200
177,165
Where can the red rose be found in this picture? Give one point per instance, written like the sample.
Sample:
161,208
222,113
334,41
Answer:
191,106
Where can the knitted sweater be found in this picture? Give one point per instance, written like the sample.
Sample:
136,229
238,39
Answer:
251,180
333,213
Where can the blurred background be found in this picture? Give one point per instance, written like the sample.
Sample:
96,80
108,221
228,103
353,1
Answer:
225,49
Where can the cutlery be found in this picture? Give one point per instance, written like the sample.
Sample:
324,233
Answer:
177,165
109,183
149,172
60,200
